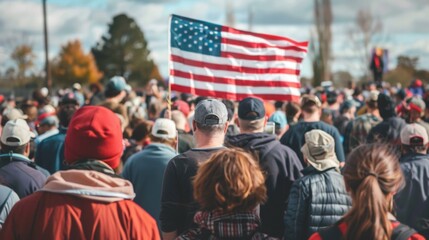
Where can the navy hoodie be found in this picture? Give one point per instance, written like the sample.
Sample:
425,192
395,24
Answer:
281,167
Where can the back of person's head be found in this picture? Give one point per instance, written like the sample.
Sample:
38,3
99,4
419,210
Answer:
94,133
15,136
251,115
386,106
115,86
210,116
142,130
292,108
372,175
230,181
179,119
332,97
371,101
310,104
414,139
164,131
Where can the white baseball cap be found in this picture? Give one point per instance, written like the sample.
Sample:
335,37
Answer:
16,133
164,128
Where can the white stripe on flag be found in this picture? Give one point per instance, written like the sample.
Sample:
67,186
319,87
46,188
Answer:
255,39
261,52
235,61
233,88
237,75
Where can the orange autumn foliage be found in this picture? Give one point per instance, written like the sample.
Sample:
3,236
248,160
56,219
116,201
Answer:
73,65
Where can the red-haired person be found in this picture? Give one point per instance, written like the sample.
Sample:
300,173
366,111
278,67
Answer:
228,187
372,176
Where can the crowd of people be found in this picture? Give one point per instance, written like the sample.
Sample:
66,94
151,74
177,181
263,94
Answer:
113,162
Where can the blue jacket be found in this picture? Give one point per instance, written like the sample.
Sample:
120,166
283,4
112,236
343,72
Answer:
50,152
145,170
412,201
21,174
294,137
317,200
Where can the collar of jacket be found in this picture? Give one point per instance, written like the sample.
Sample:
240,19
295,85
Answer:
228,225
310,170
90,184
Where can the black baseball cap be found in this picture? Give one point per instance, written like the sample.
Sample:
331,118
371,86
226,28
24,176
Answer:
251,109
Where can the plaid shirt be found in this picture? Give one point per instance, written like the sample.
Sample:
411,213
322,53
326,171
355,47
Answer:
217,225
357,131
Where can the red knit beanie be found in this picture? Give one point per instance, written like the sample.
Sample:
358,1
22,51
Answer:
94,133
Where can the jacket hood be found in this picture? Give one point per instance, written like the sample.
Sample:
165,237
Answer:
252,141
89,184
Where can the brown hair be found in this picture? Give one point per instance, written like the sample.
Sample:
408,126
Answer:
371,173
231,180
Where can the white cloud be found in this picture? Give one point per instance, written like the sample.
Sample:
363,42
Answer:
88,21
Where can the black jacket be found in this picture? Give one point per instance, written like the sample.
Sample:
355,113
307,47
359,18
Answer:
317,200
412,201
281,166
389,130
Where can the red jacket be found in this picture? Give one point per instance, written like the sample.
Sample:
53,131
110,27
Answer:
343,228
52,215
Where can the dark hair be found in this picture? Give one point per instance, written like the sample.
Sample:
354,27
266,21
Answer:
65,114
372,104
16,149
142,130
310,107
230,108
278,104
292,108
414,149
109,93
372,172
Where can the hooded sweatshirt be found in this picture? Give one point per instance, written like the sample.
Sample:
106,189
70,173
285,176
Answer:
281,166
80,204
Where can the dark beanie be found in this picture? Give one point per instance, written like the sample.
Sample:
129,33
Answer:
94,133
386,106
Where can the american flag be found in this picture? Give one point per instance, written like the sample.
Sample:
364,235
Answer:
207,59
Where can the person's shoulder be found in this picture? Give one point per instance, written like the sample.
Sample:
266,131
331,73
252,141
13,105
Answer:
54,138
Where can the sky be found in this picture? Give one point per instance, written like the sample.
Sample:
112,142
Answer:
405,25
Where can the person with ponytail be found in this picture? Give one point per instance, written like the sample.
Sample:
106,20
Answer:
372,175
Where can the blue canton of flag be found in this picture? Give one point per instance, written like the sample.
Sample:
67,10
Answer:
195,36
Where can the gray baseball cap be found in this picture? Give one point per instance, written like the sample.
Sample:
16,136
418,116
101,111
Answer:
211,112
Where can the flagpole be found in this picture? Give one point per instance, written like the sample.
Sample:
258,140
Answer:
169,67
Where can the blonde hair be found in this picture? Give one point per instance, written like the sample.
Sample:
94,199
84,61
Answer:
231,180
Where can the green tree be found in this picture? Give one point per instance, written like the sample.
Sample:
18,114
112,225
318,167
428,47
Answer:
73,65
124,51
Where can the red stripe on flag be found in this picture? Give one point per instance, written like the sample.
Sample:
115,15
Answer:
260,45
260,57
265,36
238,69
231,81
232,96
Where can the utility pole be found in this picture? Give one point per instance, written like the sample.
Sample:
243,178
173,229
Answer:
45,33
250,18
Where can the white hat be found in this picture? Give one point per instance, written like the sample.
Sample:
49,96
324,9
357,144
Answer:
16,133
14,113
414,135
164,128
